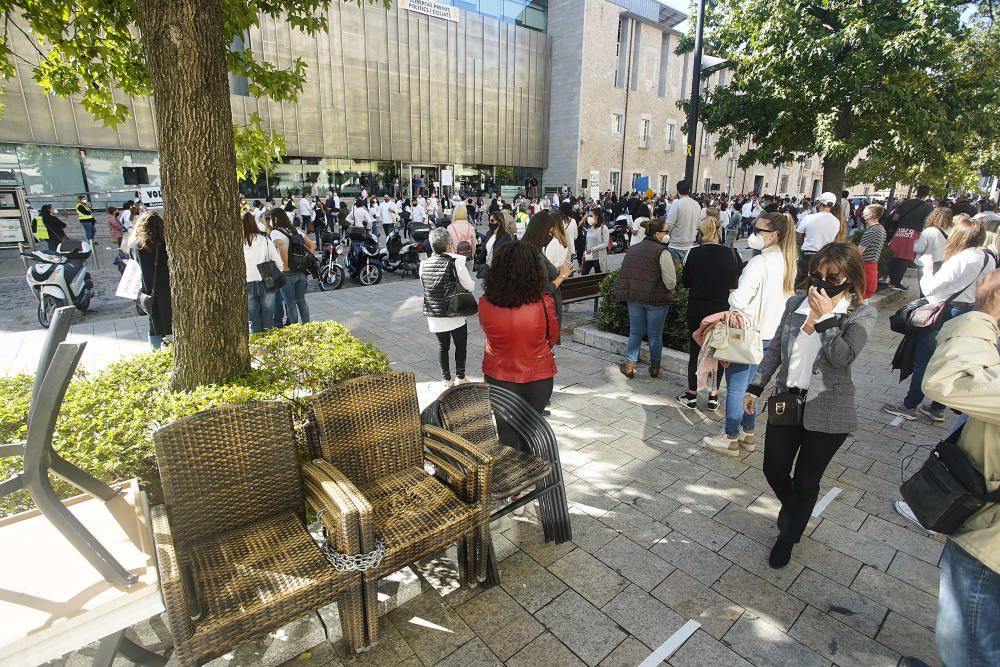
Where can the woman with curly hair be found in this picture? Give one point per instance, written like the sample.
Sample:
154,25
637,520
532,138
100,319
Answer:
150,250
519,320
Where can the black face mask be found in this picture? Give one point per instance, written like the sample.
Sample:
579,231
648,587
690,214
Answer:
831,289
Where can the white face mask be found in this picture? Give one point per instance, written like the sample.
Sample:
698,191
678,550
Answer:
665,239
755,242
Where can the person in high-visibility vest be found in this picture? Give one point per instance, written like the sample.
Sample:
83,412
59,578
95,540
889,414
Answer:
86,216
38,228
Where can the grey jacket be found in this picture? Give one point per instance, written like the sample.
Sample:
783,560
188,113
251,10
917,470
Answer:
830,406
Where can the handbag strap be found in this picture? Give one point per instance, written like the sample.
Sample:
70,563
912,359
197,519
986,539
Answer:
156,271
986,259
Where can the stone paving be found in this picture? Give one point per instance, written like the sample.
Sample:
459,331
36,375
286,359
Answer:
664,530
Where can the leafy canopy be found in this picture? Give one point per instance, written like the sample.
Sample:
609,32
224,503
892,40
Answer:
889,82
90,47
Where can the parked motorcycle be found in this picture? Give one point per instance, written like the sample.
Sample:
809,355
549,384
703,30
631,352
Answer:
331,274
621,235
400,255
363,262
60,279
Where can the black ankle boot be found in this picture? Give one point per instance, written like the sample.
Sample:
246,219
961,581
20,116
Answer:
781,553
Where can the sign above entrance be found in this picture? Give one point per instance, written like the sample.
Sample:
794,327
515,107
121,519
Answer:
431,8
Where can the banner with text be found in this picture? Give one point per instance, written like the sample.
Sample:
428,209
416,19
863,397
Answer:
430,8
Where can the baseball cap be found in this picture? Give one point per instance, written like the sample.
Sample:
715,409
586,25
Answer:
827,198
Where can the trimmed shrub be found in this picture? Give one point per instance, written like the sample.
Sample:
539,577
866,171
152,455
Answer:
107,419
613,315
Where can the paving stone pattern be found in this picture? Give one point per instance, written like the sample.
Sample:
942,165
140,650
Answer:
664,530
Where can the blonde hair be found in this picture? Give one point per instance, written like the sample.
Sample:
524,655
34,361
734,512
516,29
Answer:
559,230
784,225
877,209
460,213
966,233
710,226
940,218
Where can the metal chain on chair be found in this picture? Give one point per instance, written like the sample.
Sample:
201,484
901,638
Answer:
352,562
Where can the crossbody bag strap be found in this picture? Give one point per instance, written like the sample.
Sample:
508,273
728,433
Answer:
986,260
156,272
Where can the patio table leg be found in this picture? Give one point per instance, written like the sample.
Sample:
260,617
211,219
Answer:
117,643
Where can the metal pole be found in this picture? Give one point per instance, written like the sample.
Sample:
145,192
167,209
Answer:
628,81
692,137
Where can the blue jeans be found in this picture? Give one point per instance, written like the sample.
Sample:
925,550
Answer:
678,255
260,306
294,294
89,229
923,351
155,342
968,608
738,378
648,320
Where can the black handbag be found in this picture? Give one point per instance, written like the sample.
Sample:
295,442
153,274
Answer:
785,409
270,275
461,302
948,488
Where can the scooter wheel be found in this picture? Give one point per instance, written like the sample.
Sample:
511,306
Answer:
47,309
370,275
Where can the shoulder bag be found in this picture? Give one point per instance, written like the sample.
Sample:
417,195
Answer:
741,346
919,315
270,275
948,488
461,302
785,409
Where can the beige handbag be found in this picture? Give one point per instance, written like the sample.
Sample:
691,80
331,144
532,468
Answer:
741,346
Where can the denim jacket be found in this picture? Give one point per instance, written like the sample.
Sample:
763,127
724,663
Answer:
830,402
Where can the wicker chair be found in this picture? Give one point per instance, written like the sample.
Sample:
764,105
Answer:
234,555
470,411
369,437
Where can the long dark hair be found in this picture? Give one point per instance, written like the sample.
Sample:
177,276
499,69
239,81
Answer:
540,229
516,276
279,220
845,259
149,231
250,229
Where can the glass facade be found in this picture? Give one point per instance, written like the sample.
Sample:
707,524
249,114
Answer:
528,13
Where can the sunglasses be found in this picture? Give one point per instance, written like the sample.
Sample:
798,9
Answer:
833,278
759,230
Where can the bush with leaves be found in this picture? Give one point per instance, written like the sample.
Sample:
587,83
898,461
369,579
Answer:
613,314
107,419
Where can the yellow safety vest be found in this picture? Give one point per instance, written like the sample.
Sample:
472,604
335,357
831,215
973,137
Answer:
41,231
84,217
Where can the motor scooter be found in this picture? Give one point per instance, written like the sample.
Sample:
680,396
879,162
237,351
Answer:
60,279
362,261
621,235
331,274
400,255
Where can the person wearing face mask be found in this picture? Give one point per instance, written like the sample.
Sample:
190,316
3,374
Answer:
820,336
595,248
646,284
765,284
818,229
872,242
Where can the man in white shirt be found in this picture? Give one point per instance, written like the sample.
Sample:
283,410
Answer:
417,213
386,213
816,230
305,210
682,221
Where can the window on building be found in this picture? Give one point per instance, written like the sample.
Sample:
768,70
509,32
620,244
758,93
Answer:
684,76
706,143
238,84
661,88
620,51
615,181
708,184
634,76
783,188
617,123
731,168
636,175
644,133
802,184
664,182
671,136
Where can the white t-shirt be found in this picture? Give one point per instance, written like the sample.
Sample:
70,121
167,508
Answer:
959,272
261,250
359,216
931,242
305,208
125,218
439,324
417,214
819,229
385,211
279,241
806,347
557,253
747,209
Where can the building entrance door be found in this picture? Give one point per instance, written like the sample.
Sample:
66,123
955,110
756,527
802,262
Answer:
421,178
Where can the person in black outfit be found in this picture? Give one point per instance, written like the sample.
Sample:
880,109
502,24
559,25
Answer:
54,226
150,250
905,225
711,270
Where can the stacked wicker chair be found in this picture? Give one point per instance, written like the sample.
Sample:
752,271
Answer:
368,438
470,411
234,554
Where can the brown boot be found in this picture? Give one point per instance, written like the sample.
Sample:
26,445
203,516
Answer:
628,369
654,370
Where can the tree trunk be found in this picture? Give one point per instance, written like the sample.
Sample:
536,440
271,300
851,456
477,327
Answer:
186,60
833,174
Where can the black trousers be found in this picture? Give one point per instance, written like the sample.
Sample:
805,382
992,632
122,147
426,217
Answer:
810,453
589,264
536,393
802,265
897,269
461,338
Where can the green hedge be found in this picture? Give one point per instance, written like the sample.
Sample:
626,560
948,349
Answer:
106,422
613,315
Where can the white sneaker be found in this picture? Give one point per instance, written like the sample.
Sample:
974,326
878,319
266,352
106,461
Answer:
459,381
722,443
748,440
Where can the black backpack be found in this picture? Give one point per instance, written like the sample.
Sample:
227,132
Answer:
299,257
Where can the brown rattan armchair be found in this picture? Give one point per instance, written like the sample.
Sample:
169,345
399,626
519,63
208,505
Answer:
234,555
472,411
367,434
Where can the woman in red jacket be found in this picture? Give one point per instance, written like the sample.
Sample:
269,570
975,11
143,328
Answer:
520,324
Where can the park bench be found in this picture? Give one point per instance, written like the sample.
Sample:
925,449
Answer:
582,288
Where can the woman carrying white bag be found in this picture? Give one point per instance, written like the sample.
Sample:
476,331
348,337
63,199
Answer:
756,305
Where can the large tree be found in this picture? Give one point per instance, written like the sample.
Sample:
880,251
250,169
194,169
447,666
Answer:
177,50
847,80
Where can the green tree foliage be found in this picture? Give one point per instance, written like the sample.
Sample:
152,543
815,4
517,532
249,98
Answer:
893,84
90,47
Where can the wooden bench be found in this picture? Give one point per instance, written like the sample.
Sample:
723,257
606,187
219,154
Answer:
582,288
